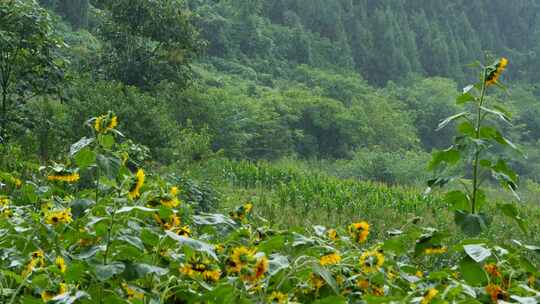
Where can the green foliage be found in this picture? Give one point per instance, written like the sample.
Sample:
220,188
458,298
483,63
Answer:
29,65
382,40
94,229
147,42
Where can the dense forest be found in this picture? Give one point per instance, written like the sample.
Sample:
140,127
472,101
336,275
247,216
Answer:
273,79
126,126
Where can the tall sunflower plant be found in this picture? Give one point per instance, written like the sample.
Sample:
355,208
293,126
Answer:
479,154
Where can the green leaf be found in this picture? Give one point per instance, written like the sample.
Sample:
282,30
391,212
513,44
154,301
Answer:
327,277
457,200
145,269
149,237
193,244
78,146
277,263
128,209
466,128
85,158
501,115
371,299
272,244
477,252
527,265
524,300
472,272
504,173
132,240
397,245
471,224
108,165
464,98
448,120
221,294
450,156
70,298
300,240
75,272
213,219
105,272
332,300
88,253
79,207
511,211
107,141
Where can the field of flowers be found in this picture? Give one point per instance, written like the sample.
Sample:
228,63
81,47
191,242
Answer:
102,226
99,228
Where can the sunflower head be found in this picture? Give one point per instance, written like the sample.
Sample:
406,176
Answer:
494,71
359,231
330,259
105,123
60,264
371,261
136,185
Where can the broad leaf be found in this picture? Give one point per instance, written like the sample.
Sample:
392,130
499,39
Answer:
78,146
477,252
448,120
471,224
472,272
193,244
105,272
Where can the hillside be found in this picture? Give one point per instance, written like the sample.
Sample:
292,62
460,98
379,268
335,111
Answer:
276,151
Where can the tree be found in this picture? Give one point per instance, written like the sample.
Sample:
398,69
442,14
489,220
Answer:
74,11
148,41
28,65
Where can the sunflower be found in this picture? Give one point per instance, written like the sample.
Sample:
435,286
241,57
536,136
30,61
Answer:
261,267
332,234
316,281
371,261
201,268
4,200
211,275
330,259
170,200
240,213
59,216
183,231
277,297
132,293
359,231
64,176
60,264
436,250
429,295
6,212
219,248
37,258
168,224
48,295
240,257
134,190
495,71
105,123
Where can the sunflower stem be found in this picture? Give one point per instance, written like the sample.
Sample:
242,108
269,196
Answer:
476,160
